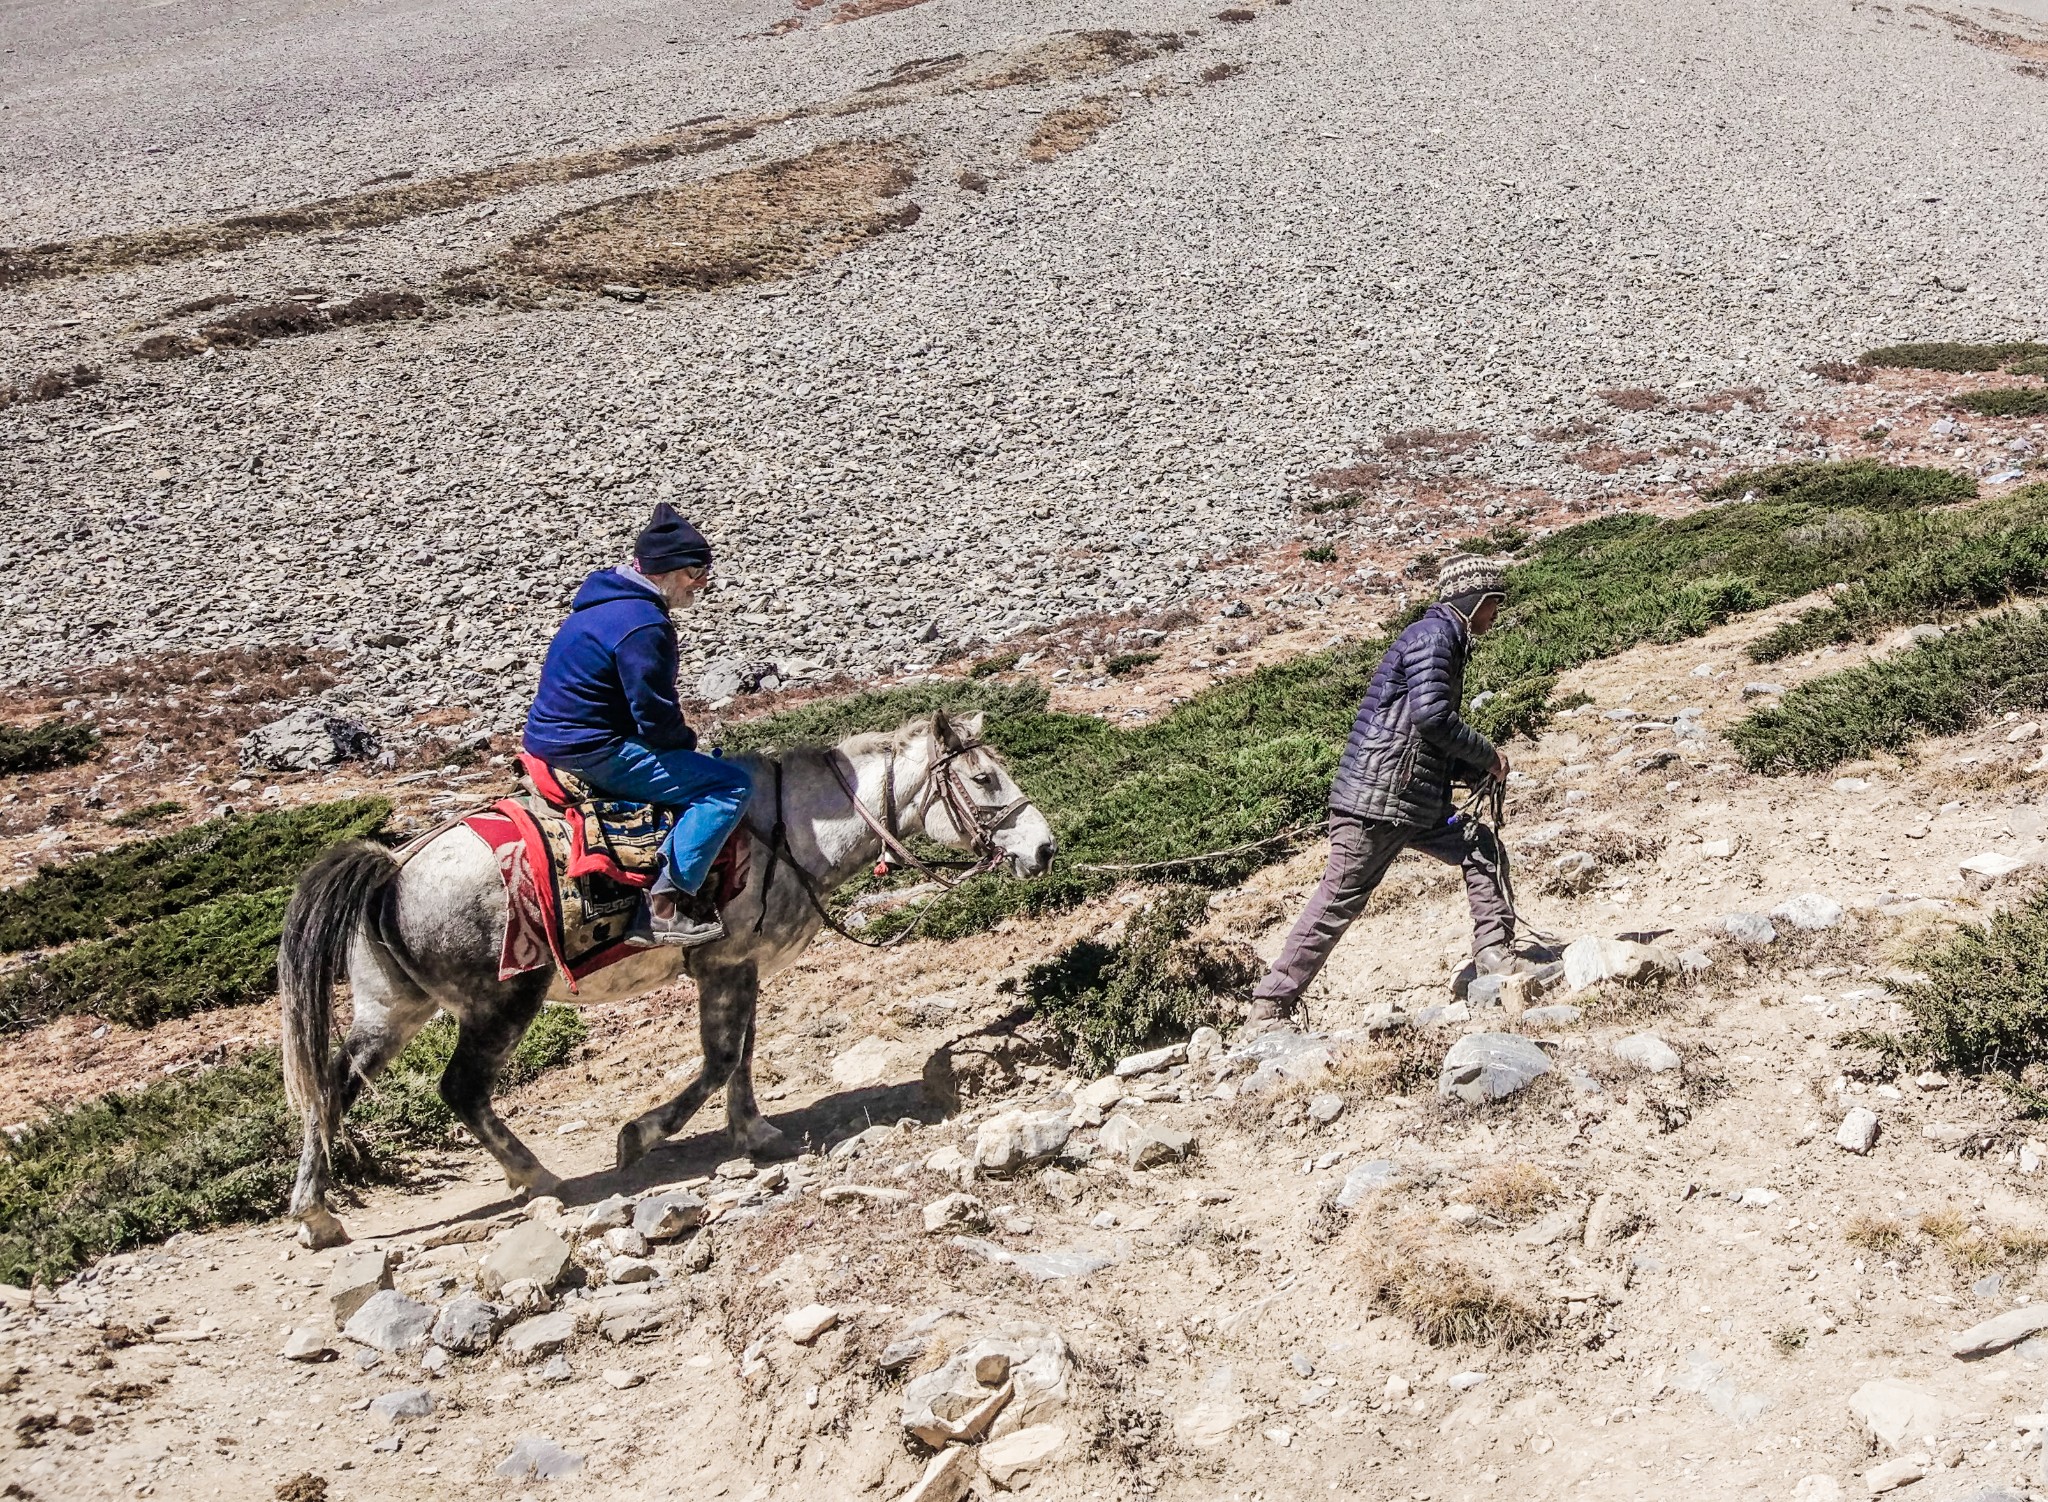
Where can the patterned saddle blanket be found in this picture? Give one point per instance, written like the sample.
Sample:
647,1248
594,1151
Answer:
576,867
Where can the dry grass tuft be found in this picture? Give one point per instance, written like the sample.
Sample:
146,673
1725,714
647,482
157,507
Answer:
972,181
1513,1191
1843,372
1876,1233
50,385
861,10
1606,459
1070,129
1967,1247
1725,400
1445,1300
291,318
1218,72
755,224
1431,443
1349,478
1236,16
1633,398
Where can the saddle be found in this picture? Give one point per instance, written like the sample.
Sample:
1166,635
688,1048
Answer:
576,868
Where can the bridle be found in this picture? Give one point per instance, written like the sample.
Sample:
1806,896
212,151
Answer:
943,783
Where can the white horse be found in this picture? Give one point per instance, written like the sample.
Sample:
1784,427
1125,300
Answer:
423,934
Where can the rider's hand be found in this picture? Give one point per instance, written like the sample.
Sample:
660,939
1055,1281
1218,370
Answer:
1499,770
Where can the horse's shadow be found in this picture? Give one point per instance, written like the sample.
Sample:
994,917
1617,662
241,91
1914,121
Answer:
812,1128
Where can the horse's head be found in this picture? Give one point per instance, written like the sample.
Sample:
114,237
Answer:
971,803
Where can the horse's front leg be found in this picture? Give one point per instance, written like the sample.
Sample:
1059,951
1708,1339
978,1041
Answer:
725,1009
750,1129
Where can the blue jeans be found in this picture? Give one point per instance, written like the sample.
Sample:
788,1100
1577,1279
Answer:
708,793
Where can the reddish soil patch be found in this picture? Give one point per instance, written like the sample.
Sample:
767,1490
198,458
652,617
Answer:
1605,459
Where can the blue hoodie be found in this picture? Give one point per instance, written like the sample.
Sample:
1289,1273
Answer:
610,675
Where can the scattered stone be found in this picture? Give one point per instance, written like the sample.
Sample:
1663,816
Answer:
542,1335
1761,690
1143,1145
622,1379
806,1324
1591,960
1148,1063
1557,1016
389,1321
1283,1057
1102,1094
665,1216
955,1212
556,1372
1898,1413
1717,850
697,1254
1324,1109
1647,1051
1016,1457
1858,1131
2000,1331
467,1325
1204,1043
1559,1225
308,1344
1061,1185
1751,930
529,1251
1014,1140
437,1362
1895,1473
946,1477
609,1214
307,740
1603,1220
867,1064
1701,1374
1040,1266
521,1297
1490,1066
1983,872
539,1459
356,1276
1367,1178
624,1271
1809,910
981,1065
407,1403
1466,1381
949,1403
624,1241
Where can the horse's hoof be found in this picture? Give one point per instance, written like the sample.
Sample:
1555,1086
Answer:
542,1183
321,1229
760,1140
635,1142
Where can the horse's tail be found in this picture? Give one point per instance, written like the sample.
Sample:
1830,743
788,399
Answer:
333,897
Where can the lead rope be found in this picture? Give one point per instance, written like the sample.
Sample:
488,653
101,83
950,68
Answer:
1491,794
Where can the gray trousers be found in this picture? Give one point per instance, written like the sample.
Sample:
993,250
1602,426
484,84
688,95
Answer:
1360,852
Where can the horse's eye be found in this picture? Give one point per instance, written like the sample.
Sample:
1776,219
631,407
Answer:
988,780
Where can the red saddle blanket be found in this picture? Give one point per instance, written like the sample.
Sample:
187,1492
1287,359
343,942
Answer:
575,868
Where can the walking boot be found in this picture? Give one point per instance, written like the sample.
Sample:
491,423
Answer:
687,922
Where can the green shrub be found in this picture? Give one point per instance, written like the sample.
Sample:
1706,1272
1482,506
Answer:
2006,401
988,667
1859,484
1129,662
54,743
829,721
214,1147
148,813
1105,1001
1936,688
1946,562
219,954
1321,552
97,897
2030,365
1982,1009
1955,358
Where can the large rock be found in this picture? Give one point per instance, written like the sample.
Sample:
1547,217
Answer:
1367,1178
1591,960
1647,1051
1983,872
1015,1458
1133,1065
356,1276
389,1321
1858,1131
537,1458
407,1403
1282,1058
1809,910
868,1063
958,1211
1490,1066
467,1325
308,1344
542,1335
946,1478
938,1404
2000,1331
1143,1145
664,1217
1898,1413
983,1065
1016,1140
1751,930
611,1213
529,1251
306,741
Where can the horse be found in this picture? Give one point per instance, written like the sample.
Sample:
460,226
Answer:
420,931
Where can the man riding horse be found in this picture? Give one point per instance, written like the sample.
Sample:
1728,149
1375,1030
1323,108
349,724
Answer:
608,710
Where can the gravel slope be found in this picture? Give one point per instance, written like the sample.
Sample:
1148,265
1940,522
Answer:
1083,389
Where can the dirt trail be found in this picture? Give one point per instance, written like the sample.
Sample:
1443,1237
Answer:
1709,1331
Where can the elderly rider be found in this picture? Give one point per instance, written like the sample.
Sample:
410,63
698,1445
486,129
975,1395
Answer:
1393,789
608,710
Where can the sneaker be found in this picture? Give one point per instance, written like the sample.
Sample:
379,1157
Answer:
1500,959
695,921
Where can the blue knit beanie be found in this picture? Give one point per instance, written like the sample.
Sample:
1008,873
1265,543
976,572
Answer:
668,542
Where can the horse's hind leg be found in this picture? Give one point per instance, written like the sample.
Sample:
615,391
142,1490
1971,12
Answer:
388,1010
725,1011
481,1049
750,1129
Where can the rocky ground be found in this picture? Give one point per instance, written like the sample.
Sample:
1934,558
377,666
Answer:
1218,1274
1153,288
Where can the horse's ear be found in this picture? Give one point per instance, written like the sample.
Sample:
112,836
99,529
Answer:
972,725
943,733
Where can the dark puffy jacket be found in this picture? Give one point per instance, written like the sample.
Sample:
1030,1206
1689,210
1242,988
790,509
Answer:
1408,742
610,674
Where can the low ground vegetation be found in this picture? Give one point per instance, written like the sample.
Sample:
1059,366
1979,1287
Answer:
45,747
1954,358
